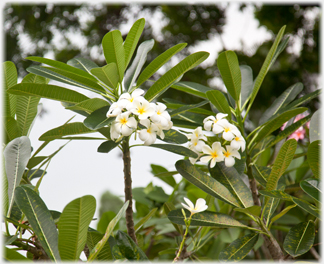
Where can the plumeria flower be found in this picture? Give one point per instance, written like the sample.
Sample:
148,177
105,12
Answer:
299,134
123,125
142,108
214,154
238,143
161,116
229,155
197,134
196,140
148,135
214,123
115,109
199,207
126,100
230,131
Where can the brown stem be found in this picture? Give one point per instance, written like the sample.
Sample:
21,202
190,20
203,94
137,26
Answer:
128,189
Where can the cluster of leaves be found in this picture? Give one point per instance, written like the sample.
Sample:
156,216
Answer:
286,177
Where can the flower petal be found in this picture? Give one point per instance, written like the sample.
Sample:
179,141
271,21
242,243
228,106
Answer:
191,205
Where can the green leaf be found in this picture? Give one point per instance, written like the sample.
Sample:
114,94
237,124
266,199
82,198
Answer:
205,218
92,239
173,136
276,194
16,155
205,182
239,248
89,105
73,226
164,174
158,62
180,150
157,194
128,248
274,124
313,157
47,91
246,84
168,207
266,66
283,159
83,64
284,99
230,178
140,223
314,127
229,69
137,64
185,108
40,219
98,119
107,146
9,79
75,128
108,74
252,210
132,38
112,44
99,246
174,104
11,128
196,89
34,161
218,99
282,213
279,49
312,187
300,238
307,207
171,76
261,174
104,221
12,255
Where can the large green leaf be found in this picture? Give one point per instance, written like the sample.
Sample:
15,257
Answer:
280,194
108,74
239,248
282,213
112,44
163,174
168,207
68,129
230,178
47,91
312,187
137,64
73,226
185,108
16,155
218,99
174,104
205,182
247,83
98,118
132,38
11,128
307,207
173,136
172,75
128,247
314,127
300,238
92,239
158,62
229,69
107,146
70,67
176,149
284,99
265,67
261,174
9,79
205,218
40,219
89,105
11,255
83,64
99,246
140,223
313,157
274,124
196,89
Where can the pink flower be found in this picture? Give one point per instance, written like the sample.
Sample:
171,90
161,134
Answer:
298,134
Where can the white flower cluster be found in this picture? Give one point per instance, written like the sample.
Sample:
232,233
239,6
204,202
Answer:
131,109
216,153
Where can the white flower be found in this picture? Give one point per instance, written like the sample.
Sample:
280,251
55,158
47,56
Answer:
123,125
214,123
126,100
229,155
230,131
115,109
196,142
142,108
238,143
161,116
215,154
197,134
148,135
199,207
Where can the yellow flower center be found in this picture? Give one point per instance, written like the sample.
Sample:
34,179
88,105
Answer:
123,121
131,100
214,155
149,130
226,129
227,154
141,110
237,138
158,113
